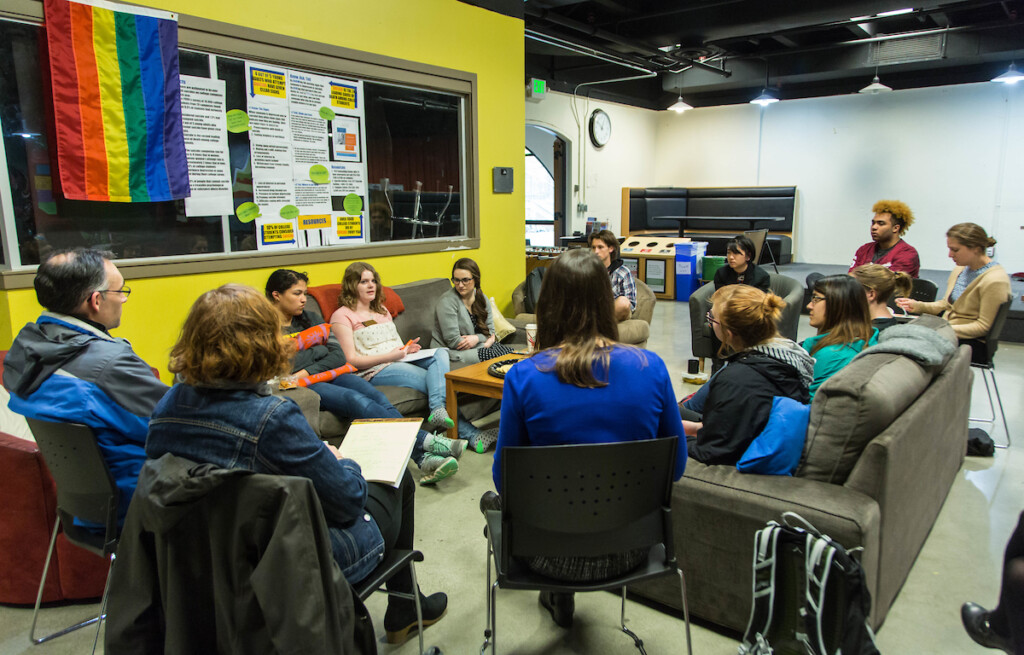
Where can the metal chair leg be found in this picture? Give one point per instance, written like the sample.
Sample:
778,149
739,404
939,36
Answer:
686,611
39,598
637,641
103,603
489,602
992,406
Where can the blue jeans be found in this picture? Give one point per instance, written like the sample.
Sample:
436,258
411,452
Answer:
697,400
424,375
350,396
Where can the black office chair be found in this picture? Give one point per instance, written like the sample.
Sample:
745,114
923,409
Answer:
982,357
582,500
395,562
923,290
86,491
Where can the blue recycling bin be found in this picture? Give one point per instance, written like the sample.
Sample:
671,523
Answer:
688,265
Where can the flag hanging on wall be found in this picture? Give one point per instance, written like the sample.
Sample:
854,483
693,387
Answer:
116,101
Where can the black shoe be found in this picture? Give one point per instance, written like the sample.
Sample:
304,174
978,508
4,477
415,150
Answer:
400,618
490,502
975,618
560,605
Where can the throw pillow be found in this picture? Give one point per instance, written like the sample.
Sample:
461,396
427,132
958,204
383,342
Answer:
502,328
393,302
777,450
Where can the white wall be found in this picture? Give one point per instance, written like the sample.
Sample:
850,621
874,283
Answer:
626,161
952,153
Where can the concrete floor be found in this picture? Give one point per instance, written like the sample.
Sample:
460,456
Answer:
960,561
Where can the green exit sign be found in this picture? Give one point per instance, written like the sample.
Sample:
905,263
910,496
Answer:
536,89
539,86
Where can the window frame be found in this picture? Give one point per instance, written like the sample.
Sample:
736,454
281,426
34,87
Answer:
218,38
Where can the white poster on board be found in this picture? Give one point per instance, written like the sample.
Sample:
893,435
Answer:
270,146
206,147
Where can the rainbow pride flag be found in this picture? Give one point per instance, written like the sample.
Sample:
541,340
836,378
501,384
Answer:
116,102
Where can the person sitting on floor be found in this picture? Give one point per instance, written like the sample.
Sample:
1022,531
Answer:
606,247
222,413
740,268
760,365
881,284
839,310
974,292
551,398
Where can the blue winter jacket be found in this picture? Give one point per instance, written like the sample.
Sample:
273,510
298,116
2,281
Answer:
66,370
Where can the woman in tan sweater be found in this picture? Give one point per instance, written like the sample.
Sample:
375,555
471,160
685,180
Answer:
976,287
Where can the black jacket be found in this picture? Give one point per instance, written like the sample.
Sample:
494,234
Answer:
215,560
738,404
754,276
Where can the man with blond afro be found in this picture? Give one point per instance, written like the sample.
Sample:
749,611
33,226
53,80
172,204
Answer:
891,220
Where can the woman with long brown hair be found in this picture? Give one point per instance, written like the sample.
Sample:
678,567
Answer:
367,334
582,386
222,413
839,310
760,365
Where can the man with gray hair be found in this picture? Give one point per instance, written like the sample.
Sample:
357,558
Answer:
66,367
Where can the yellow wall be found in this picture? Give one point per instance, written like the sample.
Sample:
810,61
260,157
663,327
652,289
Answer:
438,32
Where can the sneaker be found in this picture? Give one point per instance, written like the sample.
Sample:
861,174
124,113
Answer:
482,441
443,446
436,468
439,419
400,617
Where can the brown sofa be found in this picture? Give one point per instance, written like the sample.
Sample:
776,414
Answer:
886,439
415,320
634,330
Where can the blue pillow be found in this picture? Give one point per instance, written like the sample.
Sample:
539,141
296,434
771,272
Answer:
777,450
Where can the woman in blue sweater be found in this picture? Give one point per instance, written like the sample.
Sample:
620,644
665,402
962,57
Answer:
839,310
583,387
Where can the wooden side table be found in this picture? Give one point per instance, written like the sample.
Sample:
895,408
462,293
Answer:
473,379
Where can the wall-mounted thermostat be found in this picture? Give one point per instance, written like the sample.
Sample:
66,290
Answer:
502,179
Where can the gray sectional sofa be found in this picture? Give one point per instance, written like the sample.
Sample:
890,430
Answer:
886,439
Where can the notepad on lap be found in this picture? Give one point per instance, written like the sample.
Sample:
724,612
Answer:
381,447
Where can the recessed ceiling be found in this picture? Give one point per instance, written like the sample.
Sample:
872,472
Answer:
719,52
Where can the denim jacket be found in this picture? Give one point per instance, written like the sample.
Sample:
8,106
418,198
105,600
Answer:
247,428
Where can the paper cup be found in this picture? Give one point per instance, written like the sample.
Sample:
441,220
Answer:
531,337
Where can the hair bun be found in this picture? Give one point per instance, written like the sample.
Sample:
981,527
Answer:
772,306
991,241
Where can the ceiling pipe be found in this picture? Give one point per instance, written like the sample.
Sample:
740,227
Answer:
589,51
556,19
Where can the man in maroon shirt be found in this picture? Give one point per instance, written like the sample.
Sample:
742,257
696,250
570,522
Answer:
887,247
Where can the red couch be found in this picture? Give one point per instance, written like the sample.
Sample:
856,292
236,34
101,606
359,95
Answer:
27,513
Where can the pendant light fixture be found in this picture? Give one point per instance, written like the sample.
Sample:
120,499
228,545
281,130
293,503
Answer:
679,106
1011,76
767,97
876,86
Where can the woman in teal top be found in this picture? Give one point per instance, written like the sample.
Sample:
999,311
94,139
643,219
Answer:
839,310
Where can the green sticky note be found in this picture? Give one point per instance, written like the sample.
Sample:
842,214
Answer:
247,212
327,113
319,174
238,121
353,204
289,212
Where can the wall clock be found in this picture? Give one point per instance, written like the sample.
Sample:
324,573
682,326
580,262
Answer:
600,128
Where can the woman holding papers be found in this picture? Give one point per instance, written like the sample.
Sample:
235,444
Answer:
582,386
319,356
223,413
370,341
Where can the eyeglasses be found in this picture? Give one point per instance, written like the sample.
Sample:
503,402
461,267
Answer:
711,318
461,280
815,299
126,290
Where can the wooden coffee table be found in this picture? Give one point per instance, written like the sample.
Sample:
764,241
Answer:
473,379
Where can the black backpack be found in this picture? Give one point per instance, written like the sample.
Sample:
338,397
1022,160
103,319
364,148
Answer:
810,597
531,289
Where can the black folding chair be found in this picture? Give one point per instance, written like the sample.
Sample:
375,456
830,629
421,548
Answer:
923,290
86,491
582,500
983,357
395,562
760,241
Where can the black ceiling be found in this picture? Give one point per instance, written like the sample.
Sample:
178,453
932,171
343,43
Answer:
718,52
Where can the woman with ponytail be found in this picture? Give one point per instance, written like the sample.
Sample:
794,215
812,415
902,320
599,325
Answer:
976,287
880,285
760,366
